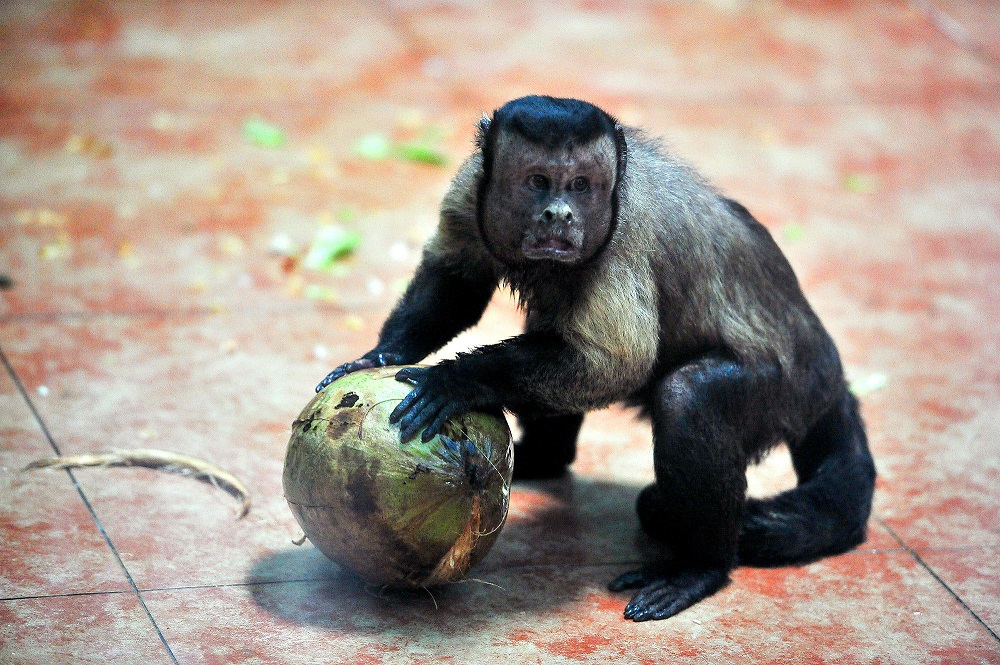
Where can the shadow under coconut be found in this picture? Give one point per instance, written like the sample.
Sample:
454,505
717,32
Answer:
563,540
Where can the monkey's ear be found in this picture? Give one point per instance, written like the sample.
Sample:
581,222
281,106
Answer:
483,131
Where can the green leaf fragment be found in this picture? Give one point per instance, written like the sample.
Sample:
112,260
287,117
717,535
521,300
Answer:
421,152
264,134
330,244
399,285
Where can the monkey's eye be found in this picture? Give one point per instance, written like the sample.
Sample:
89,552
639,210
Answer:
538,182
580,184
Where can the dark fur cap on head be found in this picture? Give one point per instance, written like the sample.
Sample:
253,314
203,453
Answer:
549,121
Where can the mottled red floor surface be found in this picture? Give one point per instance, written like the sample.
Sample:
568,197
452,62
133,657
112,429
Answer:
139,223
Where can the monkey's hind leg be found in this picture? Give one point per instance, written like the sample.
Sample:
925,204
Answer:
547,446
703,414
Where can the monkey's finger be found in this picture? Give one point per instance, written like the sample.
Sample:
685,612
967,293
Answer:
411,375
386,359
331,377
410,428
344,370
406,404
442,417
421,414
630,580
416,406
648,594
671,600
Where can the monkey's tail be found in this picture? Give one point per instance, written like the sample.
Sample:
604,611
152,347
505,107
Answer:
827,513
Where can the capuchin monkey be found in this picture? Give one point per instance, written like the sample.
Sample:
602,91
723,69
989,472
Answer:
643,285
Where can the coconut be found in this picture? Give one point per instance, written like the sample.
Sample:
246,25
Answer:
398,514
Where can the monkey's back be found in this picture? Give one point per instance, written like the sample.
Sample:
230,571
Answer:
723,283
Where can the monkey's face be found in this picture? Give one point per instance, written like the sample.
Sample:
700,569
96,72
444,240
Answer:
549,205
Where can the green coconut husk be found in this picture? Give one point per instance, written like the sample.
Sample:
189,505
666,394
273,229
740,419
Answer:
398,514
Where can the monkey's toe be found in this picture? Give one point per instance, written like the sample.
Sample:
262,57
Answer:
663,596
630,580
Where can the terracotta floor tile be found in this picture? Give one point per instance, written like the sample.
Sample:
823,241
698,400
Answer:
189,57
183,384
884,606
51,544
101,628
938,488
853,609
974,574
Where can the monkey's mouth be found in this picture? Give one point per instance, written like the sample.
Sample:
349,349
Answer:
550,247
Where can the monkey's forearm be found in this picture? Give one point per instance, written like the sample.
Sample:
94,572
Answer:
438,304
534,372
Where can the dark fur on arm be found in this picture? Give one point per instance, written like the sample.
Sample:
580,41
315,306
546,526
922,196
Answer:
440,302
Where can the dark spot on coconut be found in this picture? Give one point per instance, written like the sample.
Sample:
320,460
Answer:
341,423
359,482
407,562
350,399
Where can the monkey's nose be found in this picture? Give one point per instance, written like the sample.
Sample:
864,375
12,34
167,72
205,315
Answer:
558,211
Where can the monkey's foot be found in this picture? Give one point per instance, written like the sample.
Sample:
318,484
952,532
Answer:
663,595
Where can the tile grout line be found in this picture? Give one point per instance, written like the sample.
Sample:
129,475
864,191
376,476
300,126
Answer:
86,502
912,552
324,578
71,594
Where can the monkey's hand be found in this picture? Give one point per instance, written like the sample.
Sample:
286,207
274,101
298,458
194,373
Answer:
663,595
440,393
367,361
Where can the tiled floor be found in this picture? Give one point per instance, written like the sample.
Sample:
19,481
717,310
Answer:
147,310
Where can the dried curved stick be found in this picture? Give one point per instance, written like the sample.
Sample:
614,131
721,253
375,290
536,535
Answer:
153,458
